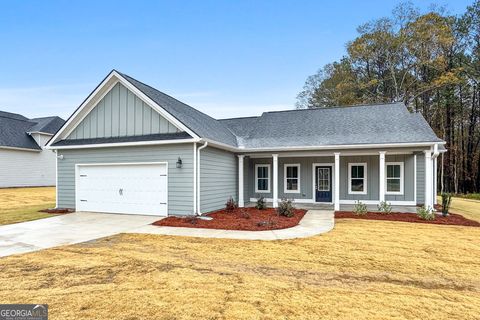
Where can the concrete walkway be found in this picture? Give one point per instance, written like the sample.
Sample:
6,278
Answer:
314,222
65,229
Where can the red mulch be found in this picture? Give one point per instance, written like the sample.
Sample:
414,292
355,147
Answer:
451,219
56,211
250,219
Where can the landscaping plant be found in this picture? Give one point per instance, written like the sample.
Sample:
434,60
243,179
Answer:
261,204
446,200
231,205
385,207
360,208
426,213
285,208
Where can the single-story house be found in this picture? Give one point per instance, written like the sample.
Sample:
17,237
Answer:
129,148
24,161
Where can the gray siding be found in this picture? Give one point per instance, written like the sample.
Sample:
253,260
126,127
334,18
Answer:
121,113
218,178
180,180
420,178
306,176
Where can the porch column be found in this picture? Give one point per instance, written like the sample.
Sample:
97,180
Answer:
435,160
381,196
275,180
428,179
336,185
241,201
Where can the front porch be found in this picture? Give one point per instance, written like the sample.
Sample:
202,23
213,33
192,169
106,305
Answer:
336,180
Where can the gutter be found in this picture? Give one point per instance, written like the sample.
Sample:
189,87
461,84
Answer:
198,162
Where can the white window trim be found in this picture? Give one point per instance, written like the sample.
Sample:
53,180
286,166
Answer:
365,175
258,165
285,166
402,178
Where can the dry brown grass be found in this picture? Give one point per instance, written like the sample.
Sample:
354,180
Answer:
469,208
22,204
360,270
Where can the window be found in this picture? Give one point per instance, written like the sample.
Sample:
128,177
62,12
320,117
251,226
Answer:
291,180
394,176
262,178
357,178
323,179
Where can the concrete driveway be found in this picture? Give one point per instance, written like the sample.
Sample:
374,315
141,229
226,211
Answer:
66,229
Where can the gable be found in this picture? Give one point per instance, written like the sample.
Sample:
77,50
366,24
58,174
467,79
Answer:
121,113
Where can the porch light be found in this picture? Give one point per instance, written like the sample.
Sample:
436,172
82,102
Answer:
179,163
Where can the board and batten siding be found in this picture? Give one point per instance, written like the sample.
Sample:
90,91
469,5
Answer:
121,113
218,178
180,180
420,178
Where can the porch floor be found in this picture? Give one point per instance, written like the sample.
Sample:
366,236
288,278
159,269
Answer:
343,207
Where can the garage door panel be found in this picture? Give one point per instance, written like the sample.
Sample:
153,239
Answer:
126,188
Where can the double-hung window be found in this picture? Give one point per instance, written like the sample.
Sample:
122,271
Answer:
357,178
291,181
262,178
394,177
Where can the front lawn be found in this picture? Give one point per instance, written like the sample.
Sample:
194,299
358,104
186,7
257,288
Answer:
362,269
23,204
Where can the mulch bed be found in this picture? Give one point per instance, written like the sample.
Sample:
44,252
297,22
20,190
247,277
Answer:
250,219
56,211
451,219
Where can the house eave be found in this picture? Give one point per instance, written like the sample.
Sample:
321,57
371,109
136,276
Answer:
123,144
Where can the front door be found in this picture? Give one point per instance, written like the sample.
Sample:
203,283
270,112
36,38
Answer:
323,184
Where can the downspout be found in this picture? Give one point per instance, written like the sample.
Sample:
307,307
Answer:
198,212
434,166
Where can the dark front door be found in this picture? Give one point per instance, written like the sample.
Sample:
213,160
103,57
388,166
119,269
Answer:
323,184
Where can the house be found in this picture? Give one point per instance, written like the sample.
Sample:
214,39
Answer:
129,148
24,162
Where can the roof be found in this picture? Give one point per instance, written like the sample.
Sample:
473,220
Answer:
14,129
366,124
149,137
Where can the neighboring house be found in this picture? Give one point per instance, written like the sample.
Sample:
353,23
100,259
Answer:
130,148
24,162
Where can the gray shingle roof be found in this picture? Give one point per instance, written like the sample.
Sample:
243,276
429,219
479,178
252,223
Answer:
14,129
369,124
150,137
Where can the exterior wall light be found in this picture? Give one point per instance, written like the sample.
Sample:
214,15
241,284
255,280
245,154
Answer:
179,163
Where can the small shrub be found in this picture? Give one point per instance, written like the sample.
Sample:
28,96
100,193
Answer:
426,213
192,219
231,205
446,201
261,204
385,207
360,208
245,214
285,208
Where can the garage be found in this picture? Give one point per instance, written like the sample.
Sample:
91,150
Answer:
130,188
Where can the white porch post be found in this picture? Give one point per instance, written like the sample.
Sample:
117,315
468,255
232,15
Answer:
428,179
435,180
337,182
381,196
241,202
275,180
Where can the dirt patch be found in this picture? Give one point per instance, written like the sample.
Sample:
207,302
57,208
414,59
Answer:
451,219
250,219
57,211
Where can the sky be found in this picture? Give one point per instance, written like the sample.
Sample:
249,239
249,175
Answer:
225,58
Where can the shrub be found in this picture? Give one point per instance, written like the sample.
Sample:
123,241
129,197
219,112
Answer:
426,213
261,204
360,208
285,208
446,200
385,207
245,214
231,205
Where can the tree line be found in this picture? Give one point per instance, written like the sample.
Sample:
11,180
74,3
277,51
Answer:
431,62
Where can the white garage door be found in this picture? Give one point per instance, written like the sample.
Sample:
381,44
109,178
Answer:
122,188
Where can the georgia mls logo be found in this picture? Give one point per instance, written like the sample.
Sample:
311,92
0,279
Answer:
23,311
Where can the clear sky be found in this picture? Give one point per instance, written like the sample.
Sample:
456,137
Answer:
226,58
